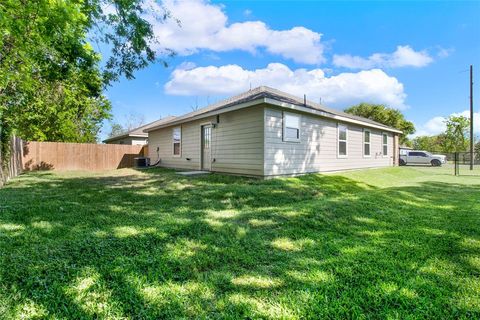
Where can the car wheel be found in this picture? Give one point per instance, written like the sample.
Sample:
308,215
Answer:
436,163
402,162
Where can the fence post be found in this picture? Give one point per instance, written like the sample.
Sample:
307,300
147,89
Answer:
456,164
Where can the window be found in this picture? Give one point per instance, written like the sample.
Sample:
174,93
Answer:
177,141
206,137
417,154
342,140
366,143
291,127
385,144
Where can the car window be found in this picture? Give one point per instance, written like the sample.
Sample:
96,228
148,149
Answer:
413,154
422,154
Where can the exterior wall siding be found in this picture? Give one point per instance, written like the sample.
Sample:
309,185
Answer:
190,147
236,143
317,149
250,142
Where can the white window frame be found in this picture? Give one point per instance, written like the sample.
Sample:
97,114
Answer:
173,142
339,125
289,114
369,155
384,134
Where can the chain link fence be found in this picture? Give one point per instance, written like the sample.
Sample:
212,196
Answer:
455,163
463,164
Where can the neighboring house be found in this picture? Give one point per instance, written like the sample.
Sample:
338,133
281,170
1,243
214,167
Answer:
265,132
136,136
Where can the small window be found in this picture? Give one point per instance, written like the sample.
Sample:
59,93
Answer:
177,141
366,143
385,144
342,140
207,133
291,127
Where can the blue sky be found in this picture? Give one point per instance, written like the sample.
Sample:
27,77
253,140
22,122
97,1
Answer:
410,55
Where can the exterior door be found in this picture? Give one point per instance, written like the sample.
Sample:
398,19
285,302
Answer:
206,147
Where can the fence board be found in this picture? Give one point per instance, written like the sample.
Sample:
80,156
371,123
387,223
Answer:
78,156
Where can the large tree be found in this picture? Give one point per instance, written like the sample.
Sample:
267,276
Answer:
51,82
132,121
435,143
428,143
385,115
454,139
456,134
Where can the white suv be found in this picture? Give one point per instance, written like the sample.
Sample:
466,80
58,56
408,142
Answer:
421,157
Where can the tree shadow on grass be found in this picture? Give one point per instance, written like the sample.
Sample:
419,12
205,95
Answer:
155,245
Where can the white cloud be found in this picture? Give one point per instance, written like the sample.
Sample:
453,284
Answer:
204,25
404,56
436,125
338,91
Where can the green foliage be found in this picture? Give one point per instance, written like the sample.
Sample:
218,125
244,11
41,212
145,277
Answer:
387,116
430,143
394,243
51,83
423,143
456,134
454,139
128,31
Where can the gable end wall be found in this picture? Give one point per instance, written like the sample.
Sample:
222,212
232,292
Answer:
317,149
236,143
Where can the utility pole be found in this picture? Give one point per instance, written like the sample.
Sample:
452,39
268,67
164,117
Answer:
471,117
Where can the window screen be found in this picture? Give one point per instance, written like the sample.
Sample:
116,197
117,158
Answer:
291,127
177,141
342,140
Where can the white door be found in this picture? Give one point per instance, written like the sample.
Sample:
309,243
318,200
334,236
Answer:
206,147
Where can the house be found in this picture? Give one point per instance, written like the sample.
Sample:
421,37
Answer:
136,136
266,132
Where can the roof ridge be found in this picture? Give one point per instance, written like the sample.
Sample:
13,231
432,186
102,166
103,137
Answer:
272,93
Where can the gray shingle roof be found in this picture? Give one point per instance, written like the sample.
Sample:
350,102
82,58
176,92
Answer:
267,92
139,132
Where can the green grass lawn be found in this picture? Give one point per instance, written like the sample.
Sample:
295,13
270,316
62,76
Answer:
396,243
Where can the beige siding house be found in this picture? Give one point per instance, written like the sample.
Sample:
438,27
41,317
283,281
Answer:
265,132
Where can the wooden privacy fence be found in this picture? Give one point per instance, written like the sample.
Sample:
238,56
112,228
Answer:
78,156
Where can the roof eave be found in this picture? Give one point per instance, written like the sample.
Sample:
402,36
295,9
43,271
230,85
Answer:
126,135
329,115
208,114
274,102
